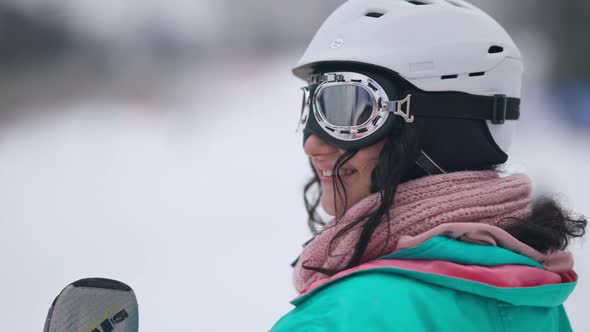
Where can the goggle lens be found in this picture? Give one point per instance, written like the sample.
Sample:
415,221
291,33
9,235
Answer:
345,105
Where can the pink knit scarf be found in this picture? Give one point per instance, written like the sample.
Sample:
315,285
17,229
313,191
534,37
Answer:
419,205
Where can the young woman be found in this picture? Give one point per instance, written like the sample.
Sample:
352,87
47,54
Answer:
408,111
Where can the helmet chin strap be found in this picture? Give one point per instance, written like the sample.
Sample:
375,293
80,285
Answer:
428,165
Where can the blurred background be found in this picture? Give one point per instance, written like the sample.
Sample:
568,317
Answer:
154,142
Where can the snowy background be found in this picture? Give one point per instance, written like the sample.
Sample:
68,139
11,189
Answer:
160,150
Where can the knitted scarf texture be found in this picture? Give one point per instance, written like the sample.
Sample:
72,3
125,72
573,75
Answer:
419,206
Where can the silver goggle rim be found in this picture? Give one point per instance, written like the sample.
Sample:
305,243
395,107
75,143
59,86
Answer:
382,106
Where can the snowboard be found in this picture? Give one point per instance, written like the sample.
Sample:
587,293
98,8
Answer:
94,305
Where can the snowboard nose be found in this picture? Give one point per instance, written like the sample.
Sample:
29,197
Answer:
94,305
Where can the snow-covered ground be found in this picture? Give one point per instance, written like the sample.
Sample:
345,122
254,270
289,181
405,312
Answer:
195,200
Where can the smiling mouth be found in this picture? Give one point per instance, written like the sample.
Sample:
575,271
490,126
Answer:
342,172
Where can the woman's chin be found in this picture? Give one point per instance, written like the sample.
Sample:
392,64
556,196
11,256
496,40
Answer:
330,209
328,206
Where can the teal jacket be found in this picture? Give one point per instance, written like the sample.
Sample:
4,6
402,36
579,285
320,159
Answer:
441,285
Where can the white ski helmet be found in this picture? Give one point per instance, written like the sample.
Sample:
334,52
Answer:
436,45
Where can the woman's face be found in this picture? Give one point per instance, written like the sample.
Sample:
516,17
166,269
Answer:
355,174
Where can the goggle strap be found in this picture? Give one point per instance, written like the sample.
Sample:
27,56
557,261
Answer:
497,108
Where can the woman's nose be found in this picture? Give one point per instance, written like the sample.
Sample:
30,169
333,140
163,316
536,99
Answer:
315,146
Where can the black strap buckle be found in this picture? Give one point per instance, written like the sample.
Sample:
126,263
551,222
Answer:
500,106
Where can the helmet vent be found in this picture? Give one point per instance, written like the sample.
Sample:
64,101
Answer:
449,77
496,49
456,3
481,73
374,14
418,3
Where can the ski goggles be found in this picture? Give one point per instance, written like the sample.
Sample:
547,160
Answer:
347,107
351,110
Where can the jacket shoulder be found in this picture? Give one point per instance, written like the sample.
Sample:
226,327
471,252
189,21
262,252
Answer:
376,301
